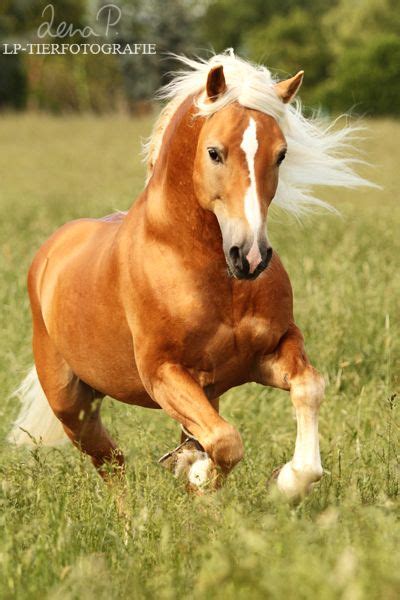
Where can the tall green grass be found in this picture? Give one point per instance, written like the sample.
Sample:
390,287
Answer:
60,534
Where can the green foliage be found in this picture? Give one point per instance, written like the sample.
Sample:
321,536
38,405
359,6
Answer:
221,22
227,25
290,43
336,42
172,29
364,41
25,80
13,83
61,536
348,50
355,23
76,83
366,77
19,16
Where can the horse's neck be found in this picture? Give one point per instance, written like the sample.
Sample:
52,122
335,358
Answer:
172,208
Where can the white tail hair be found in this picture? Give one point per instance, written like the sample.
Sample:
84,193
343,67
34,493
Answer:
36,423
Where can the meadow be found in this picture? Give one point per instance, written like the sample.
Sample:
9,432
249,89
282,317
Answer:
60,534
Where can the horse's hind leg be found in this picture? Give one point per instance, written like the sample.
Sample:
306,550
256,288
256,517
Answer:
74,403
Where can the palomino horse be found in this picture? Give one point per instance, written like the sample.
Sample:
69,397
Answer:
180,299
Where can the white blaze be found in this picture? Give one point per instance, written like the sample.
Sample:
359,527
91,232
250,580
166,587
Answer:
252,211
249,146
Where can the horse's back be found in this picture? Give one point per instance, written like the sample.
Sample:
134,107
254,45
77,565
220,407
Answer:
66,243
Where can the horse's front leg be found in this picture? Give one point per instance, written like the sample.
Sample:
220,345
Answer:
221,448
288,368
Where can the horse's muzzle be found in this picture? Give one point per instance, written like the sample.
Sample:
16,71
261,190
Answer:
239,265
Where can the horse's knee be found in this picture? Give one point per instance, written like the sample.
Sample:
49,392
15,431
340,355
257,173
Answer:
307,389
225,447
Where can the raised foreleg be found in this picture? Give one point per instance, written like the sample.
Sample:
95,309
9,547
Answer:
175,390
288,368
184,434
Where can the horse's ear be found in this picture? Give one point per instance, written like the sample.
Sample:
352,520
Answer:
287,89
216,85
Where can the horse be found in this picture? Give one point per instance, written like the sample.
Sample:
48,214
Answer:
178,300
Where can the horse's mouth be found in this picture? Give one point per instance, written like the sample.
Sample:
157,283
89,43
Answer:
244,273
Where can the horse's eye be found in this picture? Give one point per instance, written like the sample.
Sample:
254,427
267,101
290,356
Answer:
281,157
214,155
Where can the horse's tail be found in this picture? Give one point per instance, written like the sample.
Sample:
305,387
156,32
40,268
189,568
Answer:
36,422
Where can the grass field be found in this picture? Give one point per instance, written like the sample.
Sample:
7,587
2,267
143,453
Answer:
60,535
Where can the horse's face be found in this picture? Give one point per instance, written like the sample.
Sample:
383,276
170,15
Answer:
235,176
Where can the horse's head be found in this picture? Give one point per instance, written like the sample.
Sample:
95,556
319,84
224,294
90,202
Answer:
236,174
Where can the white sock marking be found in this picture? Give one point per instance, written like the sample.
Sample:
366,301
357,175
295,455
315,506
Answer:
200,471
297,476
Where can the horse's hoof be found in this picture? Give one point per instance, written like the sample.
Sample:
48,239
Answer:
292,485
203,477
189,461
272,484
182,457
275,489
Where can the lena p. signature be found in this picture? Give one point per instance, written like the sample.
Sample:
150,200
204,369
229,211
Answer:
109,14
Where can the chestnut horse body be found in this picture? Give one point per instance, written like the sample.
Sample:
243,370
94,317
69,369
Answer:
179,300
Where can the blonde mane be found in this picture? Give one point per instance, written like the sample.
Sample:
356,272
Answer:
318,153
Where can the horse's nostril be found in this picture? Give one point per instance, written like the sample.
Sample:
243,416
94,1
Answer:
234,255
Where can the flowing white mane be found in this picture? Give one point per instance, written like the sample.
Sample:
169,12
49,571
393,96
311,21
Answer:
318,154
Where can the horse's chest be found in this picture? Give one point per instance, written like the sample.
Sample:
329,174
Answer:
226,326
254,334
229,355
248,336
231,346
217,330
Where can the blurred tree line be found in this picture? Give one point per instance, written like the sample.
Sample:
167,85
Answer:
349,49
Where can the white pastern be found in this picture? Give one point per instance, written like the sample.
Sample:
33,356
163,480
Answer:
298,476
196,465
200,471
252,210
